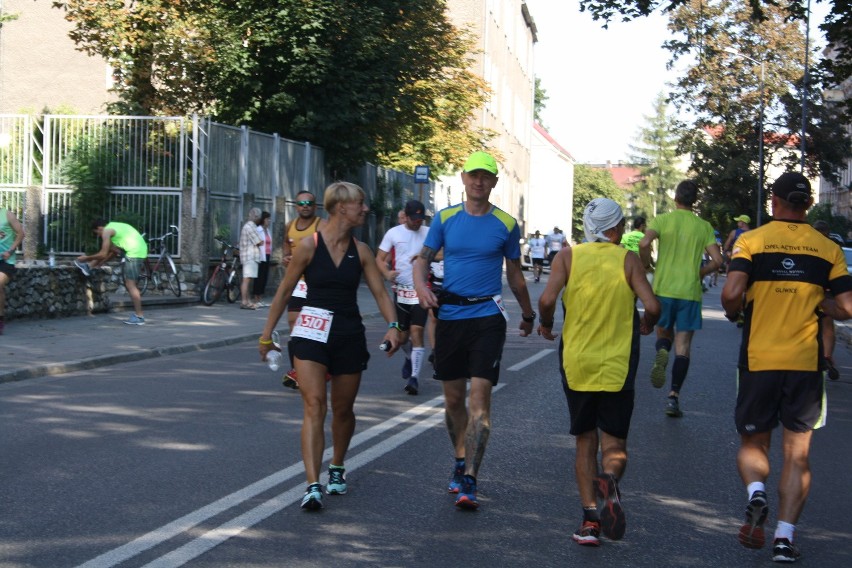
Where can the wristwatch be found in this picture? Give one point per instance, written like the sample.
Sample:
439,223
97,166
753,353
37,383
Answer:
530,318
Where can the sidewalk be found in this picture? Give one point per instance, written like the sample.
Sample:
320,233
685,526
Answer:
35,348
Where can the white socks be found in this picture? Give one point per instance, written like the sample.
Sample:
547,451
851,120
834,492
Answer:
416,361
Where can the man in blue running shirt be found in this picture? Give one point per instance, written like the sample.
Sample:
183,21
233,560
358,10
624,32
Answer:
475,236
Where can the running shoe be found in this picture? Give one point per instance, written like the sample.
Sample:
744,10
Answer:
588,534
833,373
290,380
411,386
406,369
658,371
673,407
613,522
312,501
135,320
467,494
456,479
84,267
751,533
336,481
784,551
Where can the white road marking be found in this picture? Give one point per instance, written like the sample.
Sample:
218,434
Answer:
213,538
530,360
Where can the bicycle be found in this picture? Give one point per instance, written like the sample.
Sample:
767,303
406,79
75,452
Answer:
163,271
227,276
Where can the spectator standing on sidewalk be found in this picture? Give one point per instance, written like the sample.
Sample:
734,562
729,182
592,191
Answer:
677,283
11,236
265,254
329,337
304,225
476,237
250,254
406,240
782,268
116,239
599,354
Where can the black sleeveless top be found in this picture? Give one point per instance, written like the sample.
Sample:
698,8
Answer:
335,288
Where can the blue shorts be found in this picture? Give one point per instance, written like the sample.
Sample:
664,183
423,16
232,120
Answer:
680,315
132,268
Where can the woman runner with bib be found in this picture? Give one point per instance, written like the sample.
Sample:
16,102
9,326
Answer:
328,336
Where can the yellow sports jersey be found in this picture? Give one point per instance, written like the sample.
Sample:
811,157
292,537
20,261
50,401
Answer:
294,235
600,336
790,265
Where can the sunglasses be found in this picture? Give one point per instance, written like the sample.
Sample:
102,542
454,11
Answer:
304,203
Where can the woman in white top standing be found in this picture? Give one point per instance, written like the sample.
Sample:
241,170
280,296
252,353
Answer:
263,264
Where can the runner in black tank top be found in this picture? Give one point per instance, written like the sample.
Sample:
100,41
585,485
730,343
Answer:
333,264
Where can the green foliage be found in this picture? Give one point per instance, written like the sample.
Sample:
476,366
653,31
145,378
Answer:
836,223
381,81
88,170
590,183
656,152
540,102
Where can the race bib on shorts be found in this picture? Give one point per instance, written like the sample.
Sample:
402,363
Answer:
498,299
301,289
406,295
313,324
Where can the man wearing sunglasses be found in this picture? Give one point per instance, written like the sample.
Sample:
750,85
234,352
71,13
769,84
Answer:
304,225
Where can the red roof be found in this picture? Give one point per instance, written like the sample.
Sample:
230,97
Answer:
540,129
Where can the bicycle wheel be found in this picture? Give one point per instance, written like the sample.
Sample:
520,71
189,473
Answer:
234,281
214,287
170,274
144,277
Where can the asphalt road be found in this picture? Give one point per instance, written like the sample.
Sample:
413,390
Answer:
194,460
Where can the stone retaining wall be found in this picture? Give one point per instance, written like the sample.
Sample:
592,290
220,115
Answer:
38,291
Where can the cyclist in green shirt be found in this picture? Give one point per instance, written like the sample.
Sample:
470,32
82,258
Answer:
115,238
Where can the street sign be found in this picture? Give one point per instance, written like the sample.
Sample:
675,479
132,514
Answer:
421,174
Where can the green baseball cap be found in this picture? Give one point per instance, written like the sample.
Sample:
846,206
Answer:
481,161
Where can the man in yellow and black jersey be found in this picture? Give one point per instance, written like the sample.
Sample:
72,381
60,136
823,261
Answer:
783,269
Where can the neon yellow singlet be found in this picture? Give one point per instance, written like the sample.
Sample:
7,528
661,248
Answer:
599,312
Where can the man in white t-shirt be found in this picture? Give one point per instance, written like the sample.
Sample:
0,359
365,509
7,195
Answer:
555,241
537,251
406,240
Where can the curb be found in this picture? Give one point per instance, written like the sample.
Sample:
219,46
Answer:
107,360
114,359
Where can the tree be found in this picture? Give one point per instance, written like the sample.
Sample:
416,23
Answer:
384,81
590,183
539,102
725,94
656,152
763,30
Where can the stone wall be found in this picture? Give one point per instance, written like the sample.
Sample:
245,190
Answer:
38,291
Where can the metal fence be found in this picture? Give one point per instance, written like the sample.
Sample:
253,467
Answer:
15,156
146,162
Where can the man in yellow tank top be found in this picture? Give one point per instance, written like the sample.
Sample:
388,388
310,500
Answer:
599,354
304,225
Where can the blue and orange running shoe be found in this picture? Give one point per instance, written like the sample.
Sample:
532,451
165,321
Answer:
467,494
456,479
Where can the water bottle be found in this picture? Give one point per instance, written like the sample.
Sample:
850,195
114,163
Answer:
386,345
273,358
51,259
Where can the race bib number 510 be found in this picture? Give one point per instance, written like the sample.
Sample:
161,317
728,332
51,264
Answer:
313,323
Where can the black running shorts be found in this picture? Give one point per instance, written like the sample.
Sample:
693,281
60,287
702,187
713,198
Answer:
609,411
795,398
342,355
410,314
469,348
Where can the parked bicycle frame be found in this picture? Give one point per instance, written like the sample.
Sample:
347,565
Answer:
226,276
164,270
